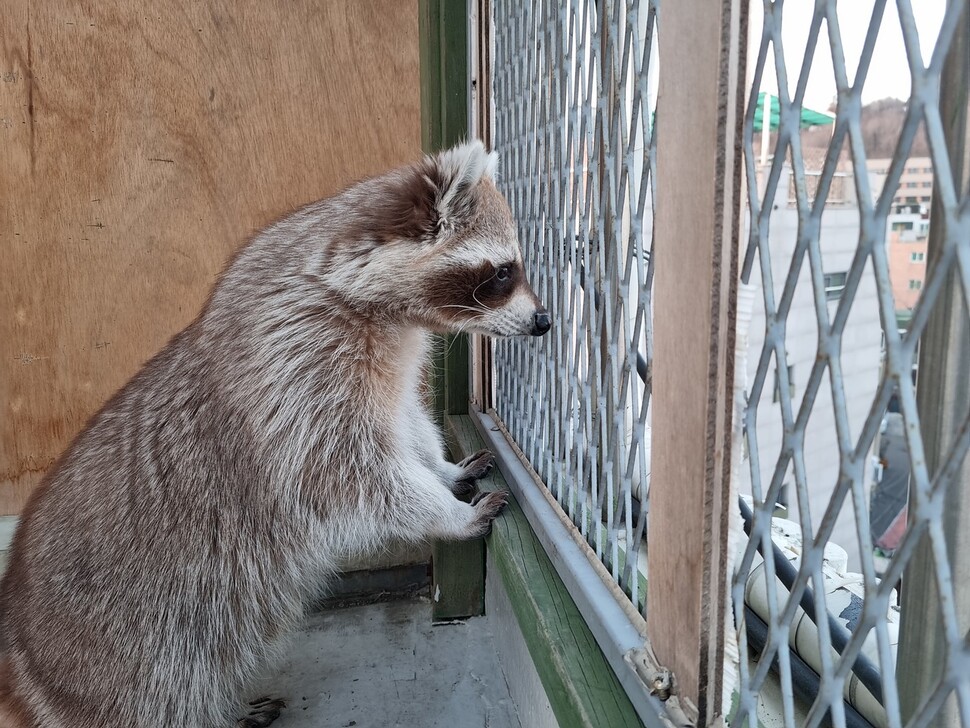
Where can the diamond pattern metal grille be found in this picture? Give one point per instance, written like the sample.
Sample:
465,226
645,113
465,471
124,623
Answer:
574,88
573,125
853,441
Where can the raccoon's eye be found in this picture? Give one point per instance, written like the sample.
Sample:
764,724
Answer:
503,273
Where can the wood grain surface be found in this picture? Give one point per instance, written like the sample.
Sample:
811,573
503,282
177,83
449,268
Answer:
140,144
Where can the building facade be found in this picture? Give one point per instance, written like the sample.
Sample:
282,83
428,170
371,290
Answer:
915,183
860,355
906,243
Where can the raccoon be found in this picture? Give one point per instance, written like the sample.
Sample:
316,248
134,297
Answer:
183,533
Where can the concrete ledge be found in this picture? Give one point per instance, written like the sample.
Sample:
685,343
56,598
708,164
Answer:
394,554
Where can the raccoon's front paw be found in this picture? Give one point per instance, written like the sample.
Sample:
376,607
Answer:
473,468
488,505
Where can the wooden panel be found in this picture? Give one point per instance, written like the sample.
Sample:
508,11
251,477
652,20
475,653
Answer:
140,143
697,226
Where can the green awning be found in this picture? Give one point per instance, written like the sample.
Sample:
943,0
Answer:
809,117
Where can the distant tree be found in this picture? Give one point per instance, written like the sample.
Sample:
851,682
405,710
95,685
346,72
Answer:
881,123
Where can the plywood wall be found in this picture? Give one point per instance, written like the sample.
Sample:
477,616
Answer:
140,143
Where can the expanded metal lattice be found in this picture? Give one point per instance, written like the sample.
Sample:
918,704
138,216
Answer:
812,196
574,90
573,126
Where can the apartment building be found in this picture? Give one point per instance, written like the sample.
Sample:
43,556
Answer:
860,356
915,183
906,238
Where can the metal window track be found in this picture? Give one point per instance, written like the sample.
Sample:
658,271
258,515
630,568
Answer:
624,646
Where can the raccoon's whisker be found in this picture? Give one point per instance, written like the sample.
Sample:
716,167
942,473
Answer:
477,299
471,309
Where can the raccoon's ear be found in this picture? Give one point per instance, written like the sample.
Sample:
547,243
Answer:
435,195
454,175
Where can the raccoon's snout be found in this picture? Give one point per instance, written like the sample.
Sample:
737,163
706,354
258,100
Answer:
541,322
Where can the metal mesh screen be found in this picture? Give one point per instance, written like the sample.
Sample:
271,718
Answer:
573,124
832,408
574,89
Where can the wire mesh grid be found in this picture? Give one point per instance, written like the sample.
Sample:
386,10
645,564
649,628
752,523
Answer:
770,468
574,94
573,124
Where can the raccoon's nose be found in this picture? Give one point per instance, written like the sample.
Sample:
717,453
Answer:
541,323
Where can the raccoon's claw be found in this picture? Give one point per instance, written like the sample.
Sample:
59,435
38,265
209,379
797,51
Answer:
478,465
473,468
263,711
488,505
463,488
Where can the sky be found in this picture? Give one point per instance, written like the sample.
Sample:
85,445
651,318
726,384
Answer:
889,71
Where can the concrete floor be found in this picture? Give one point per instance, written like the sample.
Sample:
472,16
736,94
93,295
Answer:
385,665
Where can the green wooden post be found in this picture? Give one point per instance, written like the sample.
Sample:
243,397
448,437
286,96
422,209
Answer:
458,579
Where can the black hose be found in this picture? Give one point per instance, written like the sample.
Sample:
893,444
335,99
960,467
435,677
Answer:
804,679
863,668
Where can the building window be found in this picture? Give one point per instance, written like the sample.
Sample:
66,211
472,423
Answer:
927,184
834,285
791,384
928,170
902,226
916,257
915,285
